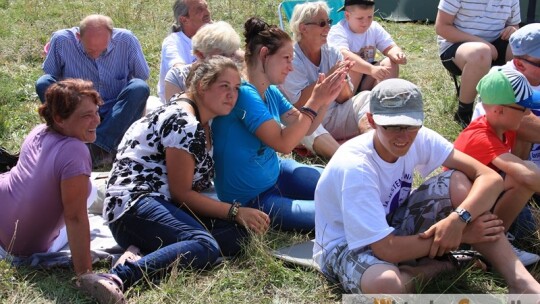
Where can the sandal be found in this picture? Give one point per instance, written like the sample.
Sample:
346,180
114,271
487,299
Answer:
106,288
132,254
465,259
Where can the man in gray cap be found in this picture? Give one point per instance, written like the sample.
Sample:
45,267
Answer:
369,225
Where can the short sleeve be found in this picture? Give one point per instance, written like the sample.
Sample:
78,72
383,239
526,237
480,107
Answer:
177,76
384,40
450,7
179,130
337,37
73,159
251,109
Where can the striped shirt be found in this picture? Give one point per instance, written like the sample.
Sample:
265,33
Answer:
122,61
482,18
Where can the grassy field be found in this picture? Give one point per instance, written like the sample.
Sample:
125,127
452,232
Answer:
255,276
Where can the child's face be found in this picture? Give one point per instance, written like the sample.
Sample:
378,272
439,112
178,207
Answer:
506,117
513,115
359,18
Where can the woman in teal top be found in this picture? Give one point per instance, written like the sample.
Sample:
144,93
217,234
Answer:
248,170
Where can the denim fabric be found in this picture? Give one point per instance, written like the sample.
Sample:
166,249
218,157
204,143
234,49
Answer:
167,234
289,203
42,84
116,115
524,226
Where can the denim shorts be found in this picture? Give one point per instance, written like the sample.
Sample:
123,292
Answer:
426,205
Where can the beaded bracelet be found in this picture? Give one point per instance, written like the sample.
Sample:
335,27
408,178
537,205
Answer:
233,211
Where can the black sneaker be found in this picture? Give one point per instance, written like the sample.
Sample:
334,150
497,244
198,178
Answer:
462,120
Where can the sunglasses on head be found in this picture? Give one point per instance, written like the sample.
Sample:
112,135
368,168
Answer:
321,23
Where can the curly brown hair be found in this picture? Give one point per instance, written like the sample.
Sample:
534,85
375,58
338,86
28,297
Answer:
63,97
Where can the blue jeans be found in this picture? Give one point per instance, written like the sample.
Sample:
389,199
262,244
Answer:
168,234
289,203
524,226
116,115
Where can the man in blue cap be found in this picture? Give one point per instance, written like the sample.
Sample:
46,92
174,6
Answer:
525,45
506,97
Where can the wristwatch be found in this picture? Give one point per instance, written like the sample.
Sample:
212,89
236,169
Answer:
464,215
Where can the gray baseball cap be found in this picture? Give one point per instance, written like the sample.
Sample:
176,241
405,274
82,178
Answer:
396,102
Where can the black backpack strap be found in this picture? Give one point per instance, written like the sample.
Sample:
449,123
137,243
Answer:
192,104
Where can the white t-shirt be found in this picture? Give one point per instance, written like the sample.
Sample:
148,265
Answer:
177,76
340,119
364,45
482,18
176,48
305,73
357,189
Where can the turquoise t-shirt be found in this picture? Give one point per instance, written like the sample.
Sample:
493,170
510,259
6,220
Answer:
244,165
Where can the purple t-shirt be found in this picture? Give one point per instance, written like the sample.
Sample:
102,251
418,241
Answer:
31,207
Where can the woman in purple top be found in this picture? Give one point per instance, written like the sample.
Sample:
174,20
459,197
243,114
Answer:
49,186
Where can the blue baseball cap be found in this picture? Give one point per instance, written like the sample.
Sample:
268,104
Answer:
526,41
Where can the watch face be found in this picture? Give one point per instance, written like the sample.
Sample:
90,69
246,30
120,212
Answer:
464,215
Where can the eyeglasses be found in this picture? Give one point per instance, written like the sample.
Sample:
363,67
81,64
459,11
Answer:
398,128
536,64
517,109
321,23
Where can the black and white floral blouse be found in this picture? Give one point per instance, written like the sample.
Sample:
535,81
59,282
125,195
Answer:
140,170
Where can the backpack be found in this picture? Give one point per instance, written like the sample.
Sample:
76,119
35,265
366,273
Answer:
7,160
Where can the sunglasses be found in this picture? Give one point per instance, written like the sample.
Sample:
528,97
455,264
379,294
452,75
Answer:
536,64
398,128
321,23
517,109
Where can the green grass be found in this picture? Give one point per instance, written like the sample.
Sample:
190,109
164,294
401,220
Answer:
255,276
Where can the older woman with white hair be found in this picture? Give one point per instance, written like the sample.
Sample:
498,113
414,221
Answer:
310,26
217,38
